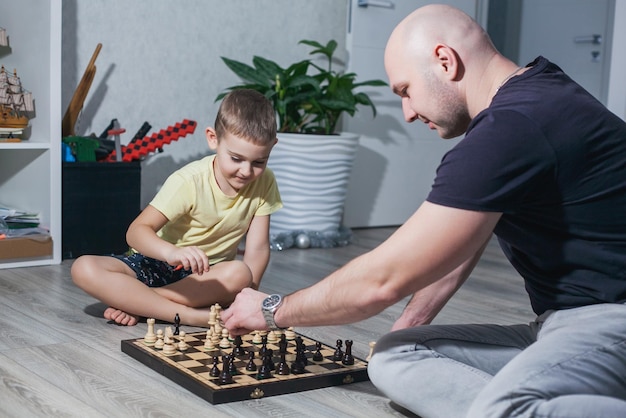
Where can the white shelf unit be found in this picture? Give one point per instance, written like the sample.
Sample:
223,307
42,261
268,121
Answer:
30,171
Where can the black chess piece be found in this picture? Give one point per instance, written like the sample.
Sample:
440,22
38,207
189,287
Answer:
238,350
283,368
270,359
301,351
225,377
177,324
297,367
338,355
263,349
251,366
215,370
282,345
232,368
348,359
264,370
317,356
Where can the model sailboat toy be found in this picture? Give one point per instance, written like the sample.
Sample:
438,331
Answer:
16,103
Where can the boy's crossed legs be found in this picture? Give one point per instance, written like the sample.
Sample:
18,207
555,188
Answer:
115,283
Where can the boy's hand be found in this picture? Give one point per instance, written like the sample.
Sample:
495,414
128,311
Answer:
190,258
244,315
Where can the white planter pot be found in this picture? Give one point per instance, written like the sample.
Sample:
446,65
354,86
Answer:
312,172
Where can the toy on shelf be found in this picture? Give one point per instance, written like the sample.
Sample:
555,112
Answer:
140,147
16,103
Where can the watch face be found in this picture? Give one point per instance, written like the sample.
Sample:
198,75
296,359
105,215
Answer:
271,301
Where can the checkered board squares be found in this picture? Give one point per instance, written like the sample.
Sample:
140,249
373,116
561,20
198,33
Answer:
191,369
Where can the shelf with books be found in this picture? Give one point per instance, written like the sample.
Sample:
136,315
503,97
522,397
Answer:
30,170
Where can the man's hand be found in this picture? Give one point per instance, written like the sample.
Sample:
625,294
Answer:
244,315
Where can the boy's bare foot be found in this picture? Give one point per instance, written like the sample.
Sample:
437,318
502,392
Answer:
120,317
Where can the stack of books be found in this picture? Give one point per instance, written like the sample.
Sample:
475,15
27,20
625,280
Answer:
11,134
15,222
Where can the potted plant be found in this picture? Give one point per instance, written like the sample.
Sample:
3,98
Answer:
312,160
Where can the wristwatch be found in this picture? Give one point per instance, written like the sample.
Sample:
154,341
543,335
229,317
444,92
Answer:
269,306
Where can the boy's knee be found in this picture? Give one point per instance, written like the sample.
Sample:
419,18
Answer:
239,275
79,269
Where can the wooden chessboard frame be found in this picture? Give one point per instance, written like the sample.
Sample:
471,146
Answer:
205,387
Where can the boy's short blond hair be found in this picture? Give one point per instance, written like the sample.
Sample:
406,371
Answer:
248,114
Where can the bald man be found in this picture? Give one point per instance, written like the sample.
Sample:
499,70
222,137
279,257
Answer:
543,166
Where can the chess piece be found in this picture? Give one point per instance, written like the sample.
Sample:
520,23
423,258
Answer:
256,339
348,359
224,343
283,368
263,349
317,356
300,351
215,370
177,324
225,377
251,366
282,346
338,355
238,351
182,344
272,337
215,337
168,346
159,342
212,316
169,332
265,371
208,343
150,337
290,334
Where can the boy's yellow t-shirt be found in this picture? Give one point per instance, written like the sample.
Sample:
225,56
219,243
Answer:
201,215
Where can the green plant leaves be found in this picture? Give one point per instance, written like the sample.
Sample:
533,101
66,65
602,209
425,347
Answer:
304,103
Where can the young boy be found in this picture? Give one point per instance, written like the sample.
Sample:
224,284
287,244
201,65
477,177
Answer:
186,239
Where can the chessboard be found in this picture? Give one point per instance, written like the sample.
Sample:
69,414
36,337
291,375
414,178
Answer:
250,368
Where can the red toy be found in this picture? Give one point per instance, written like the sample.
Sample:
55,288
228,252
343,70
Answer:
138,148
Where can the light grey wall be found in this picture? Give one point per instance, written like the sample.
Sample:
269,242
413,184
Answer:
160,61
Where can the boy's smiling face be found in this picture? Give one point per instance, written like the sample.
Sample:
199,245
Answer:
238,161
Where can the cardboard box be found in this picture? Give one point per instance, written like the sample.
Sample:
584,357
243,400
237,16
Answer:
26,247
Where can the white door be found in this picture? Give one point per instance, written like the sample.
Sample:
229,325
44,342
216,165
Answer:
574,34
396,161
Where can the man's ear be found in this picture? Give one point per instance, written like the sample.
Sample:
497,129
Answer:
448,61
211,137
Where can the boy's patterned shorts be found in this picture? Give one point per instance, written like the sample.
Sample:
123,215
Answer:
153,272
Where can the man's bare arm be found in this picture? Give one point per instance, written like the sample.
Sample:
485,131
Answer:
426,303
431,244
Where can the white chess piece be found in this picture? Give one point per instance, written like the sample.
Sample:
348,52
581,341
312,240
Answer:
150,337
159,342
182,344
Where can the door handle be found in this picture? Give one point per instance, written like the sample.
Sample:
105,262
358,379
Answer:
594,39
376,3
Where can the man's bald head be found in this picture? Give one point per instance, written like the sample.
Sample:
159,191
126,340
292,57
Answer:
420,32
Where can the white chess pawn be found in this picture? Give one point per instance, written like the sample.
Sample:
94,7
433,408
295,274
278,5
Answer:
168,345
182,344
224,343
209,344
290,334
159,342
257,338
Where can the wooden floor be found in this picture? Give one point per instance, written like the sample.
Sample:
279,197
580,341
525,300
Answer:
59,357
